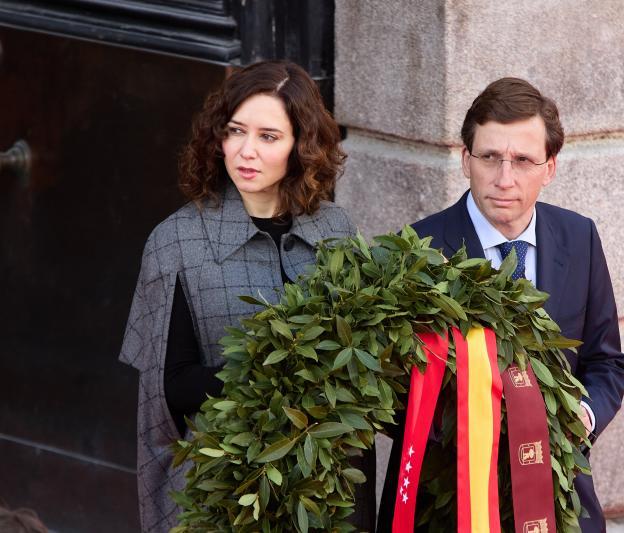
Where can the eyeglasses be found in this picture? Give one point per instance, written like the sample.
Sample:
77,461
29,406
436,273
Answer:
520,164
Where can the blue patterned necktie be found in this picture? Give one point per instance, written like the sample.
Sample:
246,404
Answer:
521,251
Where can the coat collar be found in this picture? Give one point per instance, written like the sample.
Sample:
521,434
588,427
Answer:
229,226
307,227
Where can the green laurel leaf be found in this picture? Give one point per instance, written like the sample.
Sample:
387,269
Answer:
329,429
275,451
298,418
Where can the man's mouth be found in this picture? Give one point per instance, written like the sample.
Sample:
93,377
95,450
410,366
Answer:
502,202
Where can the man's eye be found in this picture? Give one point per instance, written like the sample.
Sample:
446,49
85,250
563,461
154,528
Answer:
488,157
523,159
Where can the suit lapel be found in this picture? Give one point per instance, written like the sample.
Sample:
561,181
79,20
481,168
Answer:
552,262
459,229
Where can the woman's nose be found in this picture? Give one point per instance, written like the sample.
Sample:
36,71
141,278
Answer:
248,149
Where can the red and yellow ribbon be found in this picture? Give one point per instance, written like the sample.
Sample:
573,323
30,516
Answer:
479,392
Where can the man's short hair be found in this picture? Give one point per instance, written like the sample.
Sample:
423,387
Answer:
509,100
20,521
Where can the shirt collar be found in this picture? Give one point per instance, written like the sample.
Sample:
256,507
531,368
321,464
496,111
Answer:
488,235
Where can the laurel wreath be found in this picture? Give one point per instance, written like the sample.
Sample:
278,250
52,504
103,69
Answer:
309,381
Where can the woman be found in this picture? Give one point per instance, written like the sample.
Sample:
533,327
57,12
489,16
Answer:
259,170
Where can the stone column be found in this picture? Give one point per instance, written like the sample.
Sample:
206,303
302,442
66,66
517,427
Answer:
407,71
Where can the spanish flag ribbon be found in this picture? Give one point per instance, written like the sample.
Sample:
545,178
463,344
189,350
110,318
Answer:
479,392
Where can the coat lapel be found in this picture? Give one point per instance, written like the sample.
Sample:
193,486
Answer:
552,262
459,230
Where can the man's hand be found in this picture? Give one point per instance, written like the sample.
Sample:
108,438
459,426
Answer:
585,419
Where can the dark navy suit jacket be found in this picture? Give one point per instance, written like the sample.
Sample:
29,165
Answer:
571,267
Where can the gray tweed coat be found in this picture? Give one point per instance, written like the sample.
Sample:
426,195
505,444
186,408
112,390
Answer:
219,254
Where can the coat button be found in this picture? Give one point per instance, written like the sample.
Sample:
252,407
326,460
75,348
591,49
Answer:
289,243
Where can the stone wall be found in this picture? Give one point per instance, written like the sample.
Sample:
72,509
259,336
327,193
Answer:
407,71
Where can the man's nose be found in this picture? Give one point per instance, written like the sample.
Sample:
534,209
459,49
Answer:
505,174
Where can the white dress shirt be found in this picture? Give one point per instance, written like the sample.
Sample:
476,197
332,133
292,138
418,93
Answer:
490,238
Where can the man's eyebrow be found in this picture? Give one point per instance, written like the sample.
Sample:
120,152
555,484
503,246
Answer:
519,153
276,130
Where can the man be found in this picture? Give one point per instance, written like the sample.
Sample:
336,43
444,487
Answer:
512,136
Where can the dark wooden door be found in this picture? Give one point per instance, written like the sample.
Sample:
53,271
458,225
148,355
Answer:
105,124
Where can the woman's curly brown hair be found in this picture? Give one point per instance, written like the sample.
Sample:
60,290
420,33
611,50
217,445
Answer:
316,158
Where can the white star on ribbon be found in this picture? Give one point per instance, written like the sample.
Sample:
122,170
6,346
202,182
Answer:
401,490
410,451
405,498
408,467
406,482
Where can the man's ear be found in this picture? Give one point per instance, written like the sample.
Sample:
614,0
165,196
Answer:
465,161
551,168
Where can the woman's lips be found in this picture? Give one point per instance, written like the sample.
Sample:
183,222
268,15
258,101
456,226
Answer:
247,173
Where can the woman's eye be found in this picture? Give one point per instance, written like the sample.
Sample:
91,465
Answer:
233,130
269,138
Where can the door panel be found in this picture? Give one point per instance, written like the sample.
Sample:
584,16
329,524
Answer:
104,124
